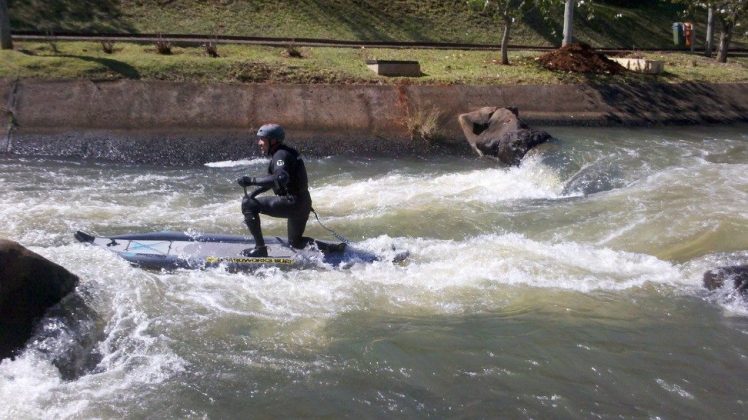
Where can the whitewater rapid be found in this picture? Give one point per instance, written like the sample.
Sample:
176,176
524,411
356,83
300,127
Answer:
606,234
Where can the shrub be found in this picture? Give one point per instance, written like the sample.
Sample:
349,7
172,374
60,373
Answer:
424,124
210,49
292,51
107,46
52,41
162,46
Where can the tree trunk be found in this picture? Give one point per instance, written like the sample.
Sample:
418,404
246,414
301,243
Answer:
709,32
724,42
505,41
568,21
6,42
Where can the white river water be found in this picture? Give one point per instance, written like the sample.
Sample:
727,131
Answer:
567,287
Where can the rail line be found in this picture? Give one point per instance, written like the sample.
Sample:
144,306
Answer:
305,42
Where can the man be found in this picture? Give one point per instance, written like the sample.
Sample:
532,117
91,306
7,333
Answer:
288,179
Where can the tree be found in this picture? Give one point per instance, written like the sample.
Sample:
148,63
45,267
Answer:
508,11
727,12
709,45
568,21
6,42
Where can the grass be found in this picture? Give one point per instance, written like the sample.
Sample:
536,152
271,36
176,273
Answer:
640,24
255,64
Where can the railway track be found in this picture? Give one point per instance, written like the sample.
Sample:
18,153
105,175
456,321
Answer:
307,42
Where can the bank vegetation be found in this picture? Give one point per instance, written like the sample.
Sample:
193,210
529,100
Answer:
292,64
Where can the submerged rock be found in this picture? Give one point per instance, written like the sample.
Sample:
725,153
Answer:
603,175
29,285
735,275
498,132
68,336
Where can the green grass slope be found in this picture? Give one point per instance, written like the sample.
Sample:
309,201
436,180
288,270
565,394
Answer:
624,24
259,64
615,23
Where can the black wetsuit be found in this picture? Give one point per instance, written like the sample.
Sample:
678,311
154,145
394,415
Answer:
287,177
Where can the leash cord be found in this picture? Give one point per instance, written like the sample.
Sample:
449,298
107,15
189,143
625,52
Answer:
335,234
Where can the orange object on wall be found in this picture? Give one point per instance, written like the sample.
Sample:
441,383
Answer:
688,32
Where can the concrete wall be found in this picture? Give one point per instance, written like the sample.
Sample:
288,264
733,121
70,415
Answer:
188,123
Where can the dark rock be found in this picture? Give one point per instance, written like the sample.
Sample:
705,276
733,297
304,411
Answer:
511,147
498,132
29,285
68,335
603,175
736,275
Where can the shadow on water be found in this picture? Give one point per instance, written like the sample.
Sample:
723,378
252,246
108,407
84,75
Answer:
68,15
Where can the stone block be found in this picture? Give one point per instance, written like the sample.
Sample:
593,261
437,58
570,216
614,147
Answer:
394,68
640,65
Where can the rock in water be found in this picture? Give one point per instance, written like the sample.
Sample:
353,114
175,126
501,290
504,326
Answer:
735,275
29,285
498,132
603,175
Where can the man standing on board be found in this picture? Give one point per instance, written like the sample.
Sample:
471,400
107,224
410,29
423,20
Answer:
288,179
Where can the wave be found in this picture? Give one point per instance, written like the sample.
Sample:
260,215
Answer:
237,163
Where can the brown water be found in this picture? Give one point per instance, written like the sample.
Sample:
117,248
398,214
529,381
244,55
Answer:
567,287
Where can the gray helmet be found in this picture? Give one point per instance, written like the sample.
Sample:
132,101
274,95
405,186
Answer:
272,132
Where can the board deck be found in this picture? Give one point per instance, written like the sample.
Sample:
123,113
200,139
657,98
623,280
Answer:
172,250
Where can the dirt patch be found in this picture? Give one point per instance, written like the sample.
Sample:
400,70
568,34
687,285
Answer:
248,72
579,58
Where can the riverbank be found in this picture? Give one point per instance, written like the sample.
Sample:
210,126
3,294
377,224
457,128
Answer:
174,123
55,59
647,23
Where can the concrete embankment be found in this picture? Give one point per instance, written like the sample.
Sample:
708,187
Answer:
187,123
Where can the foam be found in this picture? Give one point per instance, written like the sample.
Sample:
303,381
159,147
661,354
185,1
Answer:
132,356
237,163
441,277
460,273
23,382
532,180
675,389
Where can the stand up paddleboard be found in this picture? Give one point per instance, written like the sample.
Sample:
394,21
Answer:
172,250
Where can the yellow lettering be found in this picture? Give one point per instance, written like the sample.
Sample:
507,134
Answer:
238,260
